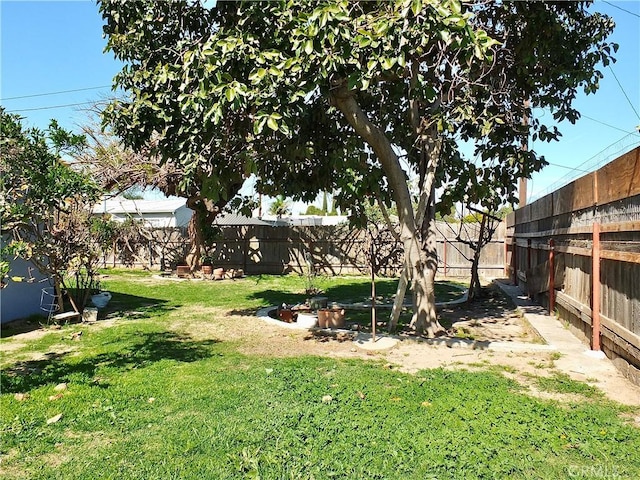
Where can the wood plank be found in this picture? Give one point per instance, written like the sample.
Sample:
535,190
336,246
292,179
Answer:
629,257
631,226
584,192
620,178
579,309
563,199
568,301
584,252
622,332
541,208
65,315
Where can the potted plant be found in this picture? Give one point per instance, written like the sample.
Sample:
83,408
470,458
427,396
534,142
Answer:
207,265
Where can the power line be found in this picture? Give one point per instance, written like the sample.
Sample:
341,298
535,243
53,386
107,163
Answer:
620,8
606,124
52,107
55,93
568,168
624,93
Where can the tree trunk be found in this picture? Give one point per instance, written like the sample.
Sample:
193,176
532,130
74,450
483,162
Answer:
196,240
474,286
419,264
424,318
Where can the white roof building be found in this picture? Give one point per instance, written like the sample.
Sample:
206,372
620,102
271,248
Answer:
155,213
174,213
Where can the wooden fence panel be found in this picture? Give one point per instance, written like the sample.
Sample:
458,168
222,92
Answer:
610,198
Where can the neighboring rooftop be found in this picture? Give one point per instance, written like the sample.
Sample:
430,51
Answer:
119,206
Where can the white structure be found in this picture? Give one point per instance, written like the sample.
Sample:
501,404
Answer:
174,213
306,220
155,213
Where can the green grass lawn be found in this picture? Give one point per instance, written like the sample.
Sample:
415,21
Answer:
145,401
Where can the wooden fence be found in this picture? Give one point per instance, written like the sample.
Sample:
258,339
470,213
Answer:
333,250
578,251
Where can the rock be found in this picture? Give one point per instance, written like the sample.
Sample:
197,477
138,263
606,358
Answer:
60,387
327,399
21,397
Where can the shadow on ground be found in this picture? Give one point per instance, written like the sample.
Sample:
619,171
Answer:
492,307
121,304
143,350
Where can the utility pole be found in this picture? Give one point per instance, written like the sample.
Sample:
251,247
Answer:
522,187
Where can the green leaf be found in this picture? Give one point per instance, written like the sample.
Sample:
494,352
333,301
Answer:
416,6
272,123
387,63
308,47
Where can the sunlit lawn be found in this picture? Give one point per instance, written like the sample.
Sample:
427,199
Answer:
147,402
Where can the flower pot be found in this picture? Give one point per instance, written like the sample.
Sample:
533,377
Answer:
183,271
101,299
307,320
331,318
218,273
90,314
207,270
286,315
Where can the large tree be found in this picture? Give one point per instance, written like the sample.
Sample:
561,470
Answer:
355,97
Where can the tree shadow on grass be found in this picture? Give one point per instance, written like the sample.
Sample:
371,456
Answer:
142,351
135,306
277,297
121,305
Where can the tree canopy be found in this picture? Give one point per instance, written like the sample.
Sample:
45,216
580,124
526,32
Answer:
355,97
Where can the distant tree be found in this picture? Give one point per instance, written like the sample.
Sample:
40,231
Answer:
127,170
313,210
280,206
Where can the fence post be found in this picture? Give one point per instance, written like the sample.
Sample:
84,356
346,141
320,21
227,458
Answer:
505,254
552,277
444,255
514,260
595,288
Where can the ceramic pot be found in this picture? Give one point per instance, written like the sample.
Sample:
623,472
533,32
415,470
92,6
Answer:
331,318
307,320
286,315
218,273
207,269
183,271
101,299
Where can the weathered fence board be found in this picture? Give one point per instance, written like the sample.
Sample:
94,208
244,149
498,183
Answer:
333,250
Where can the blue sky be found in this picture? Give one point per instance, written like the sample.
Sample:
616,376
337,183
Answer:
52,46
